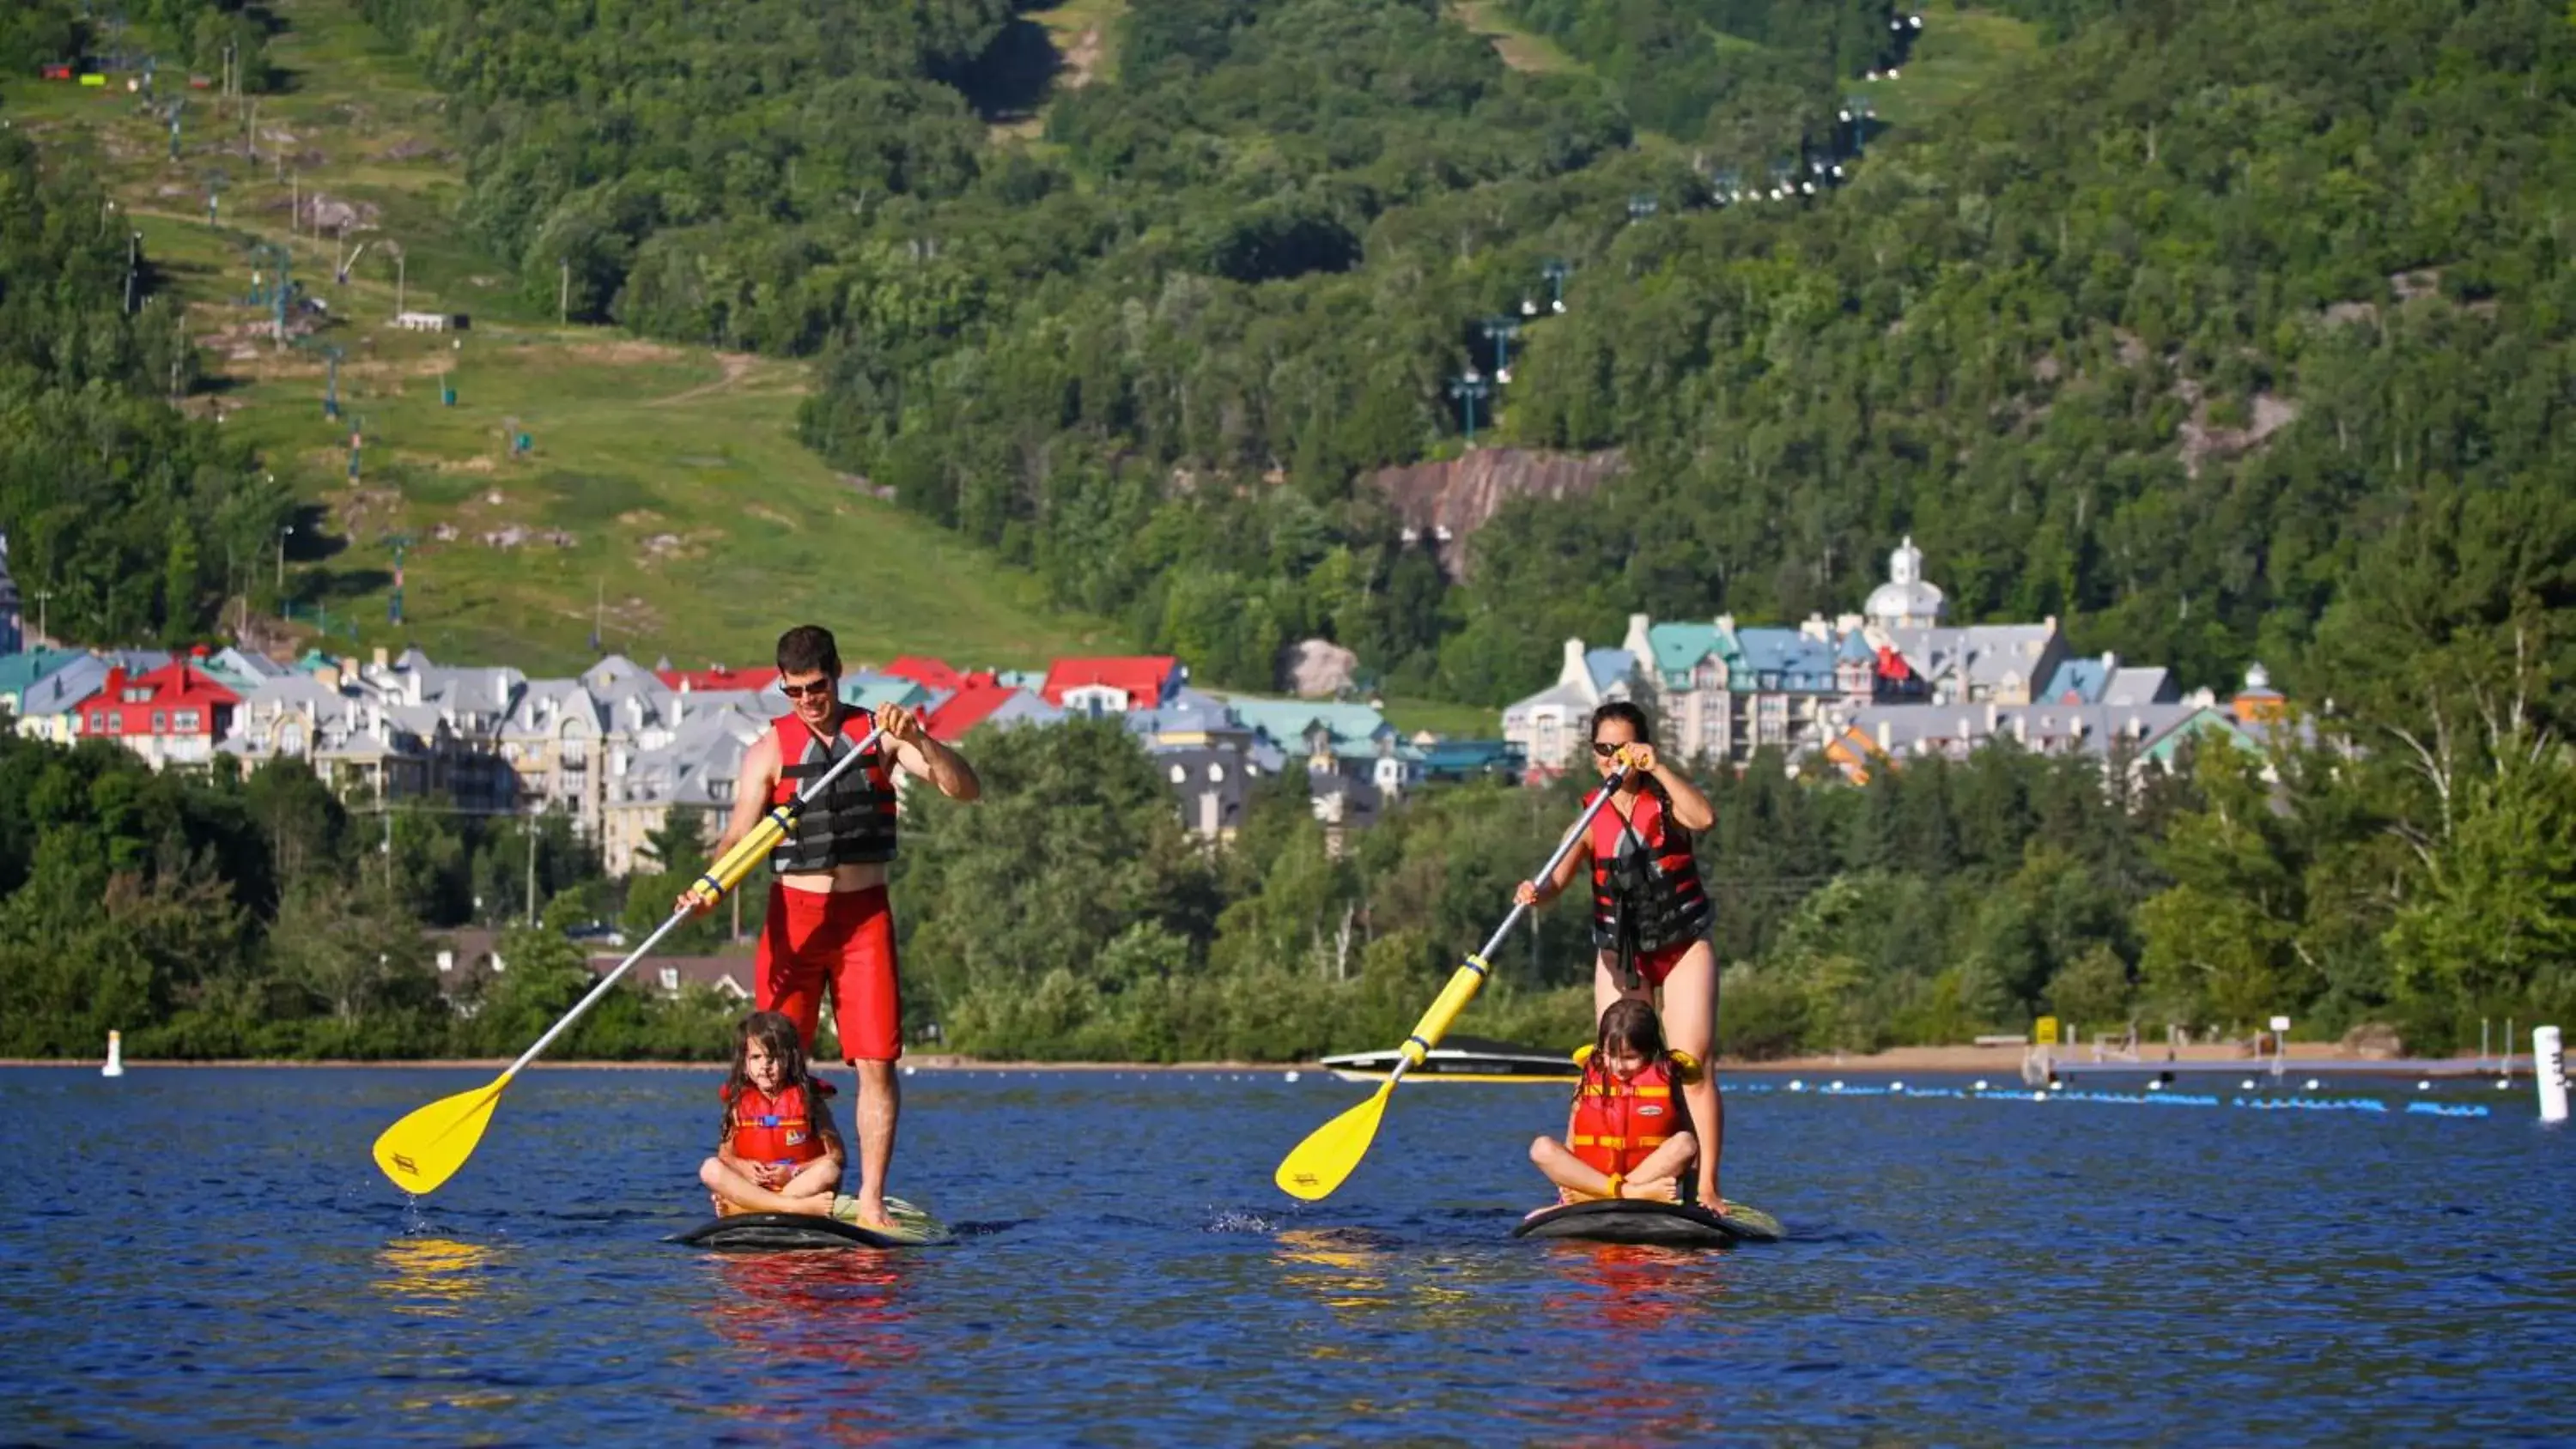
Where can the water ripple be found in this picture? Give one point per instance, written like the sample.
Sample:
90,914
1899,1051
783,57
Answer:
218,1260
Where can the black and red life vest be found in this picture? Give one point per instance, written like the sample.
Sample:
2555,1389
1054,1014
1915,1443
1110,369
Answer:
1646,891
1618,1125
853,823
776,1129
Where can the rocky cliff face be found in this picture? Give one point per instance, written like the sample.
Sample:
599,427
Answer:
1448,501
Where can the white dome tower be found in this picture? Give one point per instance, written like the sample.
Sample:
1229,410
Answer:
1906,601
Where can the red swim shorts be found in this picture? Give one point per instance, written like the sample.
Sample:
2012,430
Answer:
1654,965
845,939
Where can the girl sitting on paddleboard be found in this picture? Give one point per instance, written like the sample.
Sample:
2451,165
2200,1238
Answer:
1628,1134
779,1152
1650,913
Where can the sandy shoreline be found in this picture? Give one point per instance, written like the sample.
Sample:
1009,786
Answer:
2004,1059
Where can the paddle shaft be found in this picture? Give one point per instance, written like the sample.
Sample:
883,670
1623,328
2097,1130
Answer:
1463,985
737,863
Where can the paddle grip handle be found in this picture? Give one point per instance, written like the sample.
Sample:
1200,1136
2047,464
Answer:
1470,977
735,861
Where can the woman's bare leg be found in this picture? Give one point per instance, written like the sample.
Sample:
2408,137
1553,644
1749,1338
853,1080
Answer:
1690,1025
1605,986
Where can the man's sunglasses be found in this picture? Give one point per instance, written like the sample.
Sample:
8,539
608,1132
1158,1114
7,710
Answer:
819,689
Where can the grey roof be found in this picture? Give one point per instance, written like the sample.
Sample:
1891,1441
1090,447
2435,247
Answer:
488,691
1025,707
62,691
1609,667
1210,717
1977,654
706,748
1904,730
2077,681
136,661
1794,660
2140,686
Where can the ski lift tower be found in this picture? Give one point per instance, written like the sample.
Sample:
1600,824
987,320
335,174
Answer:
394,605
331,393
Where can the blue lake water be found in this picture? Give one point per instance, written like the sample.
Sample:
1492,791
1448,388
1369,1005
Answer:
209,1255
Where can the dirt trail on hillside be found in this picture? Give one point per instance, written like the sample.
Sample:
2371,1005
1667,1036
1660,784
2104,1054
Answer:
736,365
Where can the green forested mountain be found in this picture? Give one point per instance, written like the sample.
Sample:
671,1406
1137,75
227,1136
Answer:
2161,334
139,519
2163,338
2218,331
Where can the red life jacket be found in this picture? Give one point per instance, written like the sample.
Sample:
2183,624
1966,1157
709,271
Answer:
774,1129
1618,1125
1644,879
854,821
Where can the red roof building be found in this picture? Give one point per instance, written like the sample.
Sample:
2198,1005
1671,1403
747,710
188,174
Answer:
930,673
975,698
716,677
1108,685
170,716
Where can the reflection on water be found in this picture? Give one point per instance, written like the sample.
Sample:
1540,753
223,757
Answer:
432,1276
826,1331
1962,1272
1352,1261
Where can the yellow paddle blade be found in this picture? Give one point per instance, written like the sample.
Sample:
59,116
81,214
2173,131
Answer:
1321,1162
425,1149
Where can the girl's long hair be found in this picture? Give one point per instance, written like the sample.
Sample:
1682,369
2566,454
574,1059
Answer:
1631,1026
774,1031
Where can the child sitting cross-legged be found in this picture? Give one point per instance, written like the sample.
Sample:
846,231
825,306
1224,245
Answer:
1628,1134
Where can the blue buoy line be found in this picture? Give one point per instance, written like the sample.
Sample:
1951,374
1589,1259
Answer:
2059,1092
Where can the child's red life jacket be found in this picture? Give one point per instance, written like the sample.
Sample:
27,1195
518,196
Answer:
774,1129
1618,1125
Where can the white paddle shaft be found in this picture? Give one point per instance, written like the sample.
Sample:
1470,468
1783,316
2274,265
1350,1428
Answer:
1564,847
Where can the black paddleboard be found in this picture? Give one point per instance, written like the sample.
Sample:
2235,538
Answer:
1653,1224
791,1232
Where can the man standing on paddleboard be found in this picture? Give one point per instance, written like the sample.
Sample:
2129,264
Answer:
828,921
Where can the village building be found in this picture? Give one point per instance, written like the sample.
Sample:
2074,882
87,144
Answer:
172,715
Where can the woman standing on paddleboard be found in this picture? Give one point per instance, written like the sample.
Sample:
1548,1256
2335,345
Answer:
1650,912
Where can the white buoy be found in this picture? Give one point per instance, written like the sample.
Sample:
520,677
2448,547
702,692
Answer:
2504,1084
908,1071
1837,1085
116,1059
1797,1085
2245,1086
1894,1087
1292,1076
2549,1072
1981,1084
2425,1086
2312,1084
2039,1096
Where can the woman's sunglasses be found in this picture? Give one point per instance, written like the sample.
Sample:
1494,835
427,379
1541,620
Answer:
1602,751
819,689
